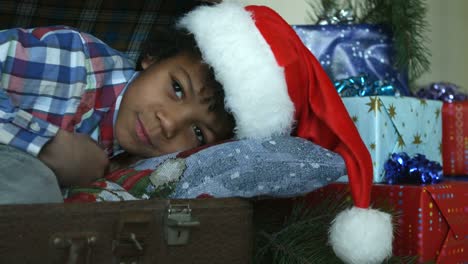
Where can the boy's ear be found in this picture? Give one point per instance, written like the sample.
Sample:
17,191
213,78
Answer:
147,61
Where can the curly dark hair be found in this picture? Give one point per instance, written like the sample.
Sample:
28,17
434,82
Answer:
170,41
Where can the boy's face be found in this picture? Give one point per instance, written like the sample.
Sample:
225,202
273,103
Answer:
165,110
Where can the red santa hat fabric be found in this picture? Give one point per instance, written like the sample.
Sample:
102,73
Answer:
275,86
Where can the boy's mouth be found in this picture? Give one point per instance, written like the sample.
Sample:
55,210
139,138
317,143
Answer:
141,132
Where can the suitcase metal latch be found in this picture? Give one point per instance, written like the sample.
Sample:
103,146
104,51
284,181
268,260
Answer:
133,231
73,247
178,223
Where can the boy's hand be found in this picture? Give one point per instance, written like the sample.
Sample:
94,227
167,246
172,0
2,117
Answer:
75,158
122,161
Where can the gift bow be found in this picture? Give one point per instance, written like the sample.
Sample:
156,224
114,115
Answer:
400,168
362,86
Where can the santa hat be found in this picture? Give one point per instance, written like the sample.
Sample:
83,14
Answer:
274,85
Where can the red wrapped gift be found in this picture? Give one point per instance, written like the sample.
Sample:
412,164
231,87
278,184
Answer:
455,138
431,220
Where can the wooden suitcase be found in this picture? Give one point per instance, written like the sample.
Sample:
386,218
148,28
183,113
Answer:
150,231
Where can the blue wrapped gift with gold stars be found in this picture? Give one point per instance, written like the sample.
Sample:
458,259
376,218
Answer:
347,50
390,124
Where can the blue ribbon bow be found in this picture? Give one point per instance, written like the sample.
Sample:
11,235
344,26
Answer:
400,168
362,86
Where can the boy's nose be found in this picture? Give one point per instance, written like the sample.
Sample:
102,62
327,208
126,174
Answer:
172,122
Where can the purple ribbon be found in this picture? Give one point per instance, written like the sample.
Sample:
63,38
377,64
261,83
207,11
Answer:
444,91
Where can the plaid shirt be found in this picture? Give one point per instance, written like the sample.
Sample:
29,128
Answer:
57,77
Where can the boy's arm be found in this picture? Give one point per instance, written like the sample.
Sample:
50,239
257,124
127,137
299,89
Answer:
75,158
21,62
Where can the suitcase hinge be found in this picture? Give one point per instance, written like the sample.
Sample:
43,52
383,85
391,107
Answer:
178,223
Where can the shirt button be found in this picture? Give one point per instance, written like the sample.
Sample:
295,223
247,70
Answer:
35,127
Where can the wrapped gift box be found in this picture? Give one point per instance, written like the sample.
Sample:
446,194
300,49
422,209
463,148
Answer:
455,138
389,124
431,221
350,50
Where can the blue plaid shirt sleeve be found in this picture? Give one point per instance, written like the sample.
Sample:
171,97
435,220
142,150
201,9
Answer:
21,129
18,127
44,76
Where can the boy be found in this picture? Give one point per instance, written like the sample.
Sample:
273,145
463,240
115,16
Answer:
68,102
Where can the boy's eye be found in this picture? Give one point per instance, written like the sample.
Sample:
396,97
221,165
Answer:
199,135
179,92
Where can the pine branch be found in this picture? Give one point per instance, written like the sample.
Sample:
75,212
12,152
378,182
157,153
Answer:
320,8
409,34
303,238
329,4
315,10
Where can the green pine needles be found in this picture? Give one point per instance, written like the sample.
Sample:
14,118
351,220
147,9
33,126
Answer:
406,18
302,237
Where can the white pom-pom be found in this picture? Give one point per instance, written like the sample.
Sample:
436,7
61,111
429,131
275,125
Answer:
362,236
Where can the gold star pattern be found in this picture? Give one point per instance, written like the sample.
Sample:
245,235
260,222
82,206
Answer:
355,119
401,142
374,104
372,146
437,113
392,111
423,102
417,139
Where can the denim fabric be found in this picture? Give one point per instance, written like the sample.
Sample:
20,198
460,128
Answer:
24,179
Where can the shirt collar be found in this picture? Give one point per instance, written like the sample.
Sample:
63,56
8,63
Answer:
116,147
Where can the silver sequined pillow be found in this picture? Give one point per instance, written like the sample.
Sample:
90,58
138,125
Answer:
276,167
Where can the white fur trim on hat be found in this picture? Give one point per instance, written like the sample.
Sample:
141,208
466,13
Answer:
254,84
362,236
